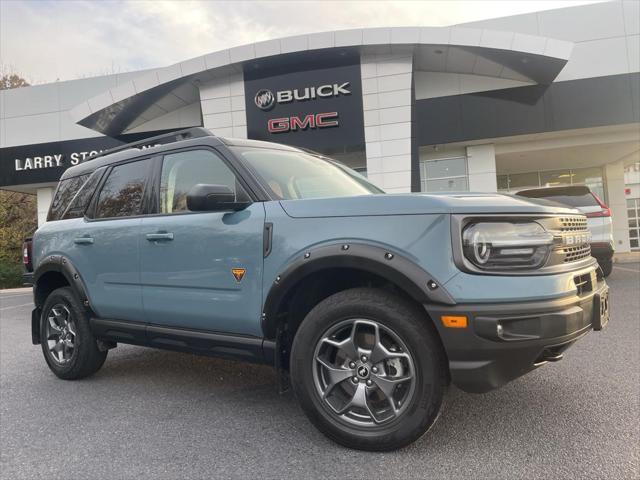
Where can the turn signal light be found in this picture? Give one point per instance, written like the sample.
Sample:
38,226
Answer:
454,321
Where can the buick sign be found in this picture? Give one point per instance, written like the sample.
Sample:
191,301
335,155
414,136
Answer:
264,99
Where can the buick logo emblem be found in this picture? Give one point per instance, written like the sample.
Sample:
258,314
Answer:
265,99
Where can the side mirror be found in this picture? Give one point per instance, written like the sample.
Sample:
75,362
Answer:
213,198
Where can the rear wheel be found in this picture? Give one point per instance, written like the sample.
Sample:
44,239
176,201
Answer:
368,370
69,347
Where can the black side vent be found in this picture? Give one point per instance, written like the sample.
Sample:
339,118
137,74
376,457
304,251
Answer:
584,283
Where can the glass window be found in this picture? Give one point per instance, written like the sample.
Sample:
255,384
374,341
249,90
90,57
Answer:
182,171
444,175
448,167
633,205
522,181
123,191
83,197
572,196
65,192
592,178
293,174
555,178
503,183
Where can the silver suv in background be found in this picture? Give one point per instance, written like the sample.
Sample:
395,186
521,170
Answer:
597,213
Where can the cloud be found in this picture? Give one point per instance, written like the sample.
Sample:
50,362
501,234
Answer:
49,40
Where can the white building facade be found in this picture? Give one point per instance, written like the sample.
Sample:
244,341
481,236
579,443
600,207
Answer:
546,98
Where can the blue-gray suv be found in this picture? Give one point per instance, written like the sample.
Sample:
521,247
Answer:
368,305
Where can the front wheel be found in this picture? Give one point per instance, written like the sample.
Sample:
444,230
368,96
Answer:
368,370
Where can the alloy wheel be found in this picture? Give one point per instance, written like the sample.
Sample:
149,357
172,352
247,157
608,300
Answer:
364,372
61,333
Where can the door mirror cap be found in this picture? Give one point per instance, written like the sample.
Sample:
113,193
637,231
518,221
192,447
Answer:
213,198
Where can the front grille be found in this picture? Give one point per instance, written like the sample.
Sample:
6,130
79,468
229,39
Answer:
573,254
573,224
572,239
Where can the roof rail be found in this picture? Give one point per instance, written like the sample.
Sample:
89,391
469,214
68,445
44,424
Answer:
193,132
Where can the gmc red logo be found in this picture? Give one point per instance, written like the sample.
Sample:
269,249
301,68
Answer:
295,123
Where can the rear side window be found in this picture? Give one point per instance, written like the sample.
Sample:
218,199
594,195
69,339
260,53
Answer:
83,197
572,197
65,192
123,191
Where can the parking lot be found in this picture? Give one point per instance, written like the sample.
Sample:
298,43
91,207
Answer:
170,415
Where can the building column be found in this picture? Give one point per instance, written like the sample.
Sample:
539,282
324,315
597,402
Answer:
44,197
386,101
481,168
616,201
223,106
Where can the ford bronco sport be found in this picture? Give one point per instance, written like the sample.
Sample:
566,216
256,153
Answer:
368,304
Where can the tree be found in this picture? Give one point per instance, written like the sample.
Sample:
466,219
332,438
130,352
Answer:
18,215
12,80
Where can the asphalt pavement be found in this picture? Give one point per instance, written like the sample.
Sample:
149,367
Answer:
155,414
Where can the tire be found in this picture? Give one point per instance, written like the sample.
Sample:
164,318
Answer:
406,334
607,267
64,326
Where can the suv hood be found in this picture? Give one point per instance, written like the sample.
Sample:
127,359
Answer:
419,204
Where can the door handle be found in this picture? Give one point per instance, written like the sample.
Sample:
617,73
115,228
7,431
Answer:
83,240
152,237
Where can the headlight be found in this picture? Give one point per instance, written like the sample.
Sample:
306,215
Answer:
506,245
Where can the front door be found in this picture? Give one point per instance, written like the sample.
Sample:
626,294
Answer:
201,270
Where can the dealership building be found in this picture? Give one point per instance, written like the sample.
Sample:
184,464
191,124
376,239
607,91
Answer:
546,98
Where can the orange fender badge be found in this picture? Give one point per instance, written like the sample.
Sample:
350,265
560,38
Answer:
238,273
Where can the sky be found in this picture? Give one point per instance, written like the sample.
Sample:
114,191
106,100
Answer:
50,40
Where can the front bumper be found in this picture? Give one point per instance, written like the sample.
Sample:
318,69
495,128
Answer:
504,341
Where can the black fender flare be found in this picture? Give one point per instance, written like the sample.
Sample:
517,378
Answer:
403,272
60,264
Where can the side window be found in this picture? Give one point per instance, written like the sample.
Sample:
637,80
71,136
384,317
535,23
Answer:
181,171
83,197
65,192
123,191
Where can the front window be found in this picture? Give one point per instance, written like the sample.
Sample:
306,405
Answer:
290,175
183,170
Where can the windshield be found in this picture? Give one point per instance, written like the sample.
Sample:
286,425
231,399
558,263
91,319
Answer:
290,175
570,196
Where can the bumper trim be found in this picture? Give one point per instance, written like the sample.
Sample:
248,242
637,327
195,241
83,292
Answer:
505,341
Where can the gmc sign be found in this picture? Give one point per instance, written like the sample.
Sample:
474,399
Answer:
292,124
317,107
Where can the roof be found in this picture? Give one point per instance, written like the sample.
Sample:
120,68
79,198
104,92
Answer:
500,54
157,144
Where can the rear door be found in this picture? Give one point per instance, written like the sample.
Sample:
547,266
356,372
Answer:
106,247
201,270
